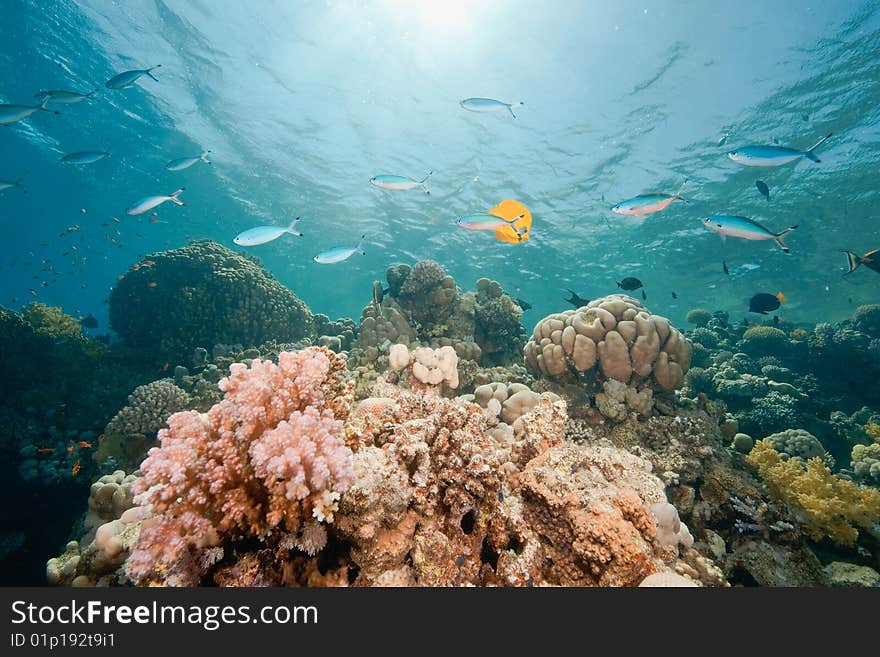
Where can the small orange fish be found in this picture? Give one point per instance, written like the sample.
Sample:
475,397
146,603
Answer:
70,449
45,450
84,444
75,469
148,263
152,284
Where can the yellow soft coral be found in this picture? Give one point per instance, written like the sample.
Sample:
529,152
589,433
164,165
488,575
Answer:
827,505
873,430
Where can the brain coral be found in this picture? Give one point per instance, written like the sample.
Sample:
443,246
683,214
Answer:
613,337
201,295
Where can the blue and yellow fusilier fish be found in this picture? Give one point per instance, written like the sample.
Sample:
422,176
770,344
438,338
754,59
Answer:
774,156
489,105
128,78
182,163
480,221
84,157
263,234
340,253
12,113
643,204
149,202
390,181
744,228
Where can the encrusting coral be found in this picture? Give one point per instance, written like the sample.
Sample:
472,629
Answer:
826,505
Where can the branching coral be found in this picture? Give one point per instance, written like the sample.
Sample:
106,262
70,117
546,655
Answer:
270,455
827,505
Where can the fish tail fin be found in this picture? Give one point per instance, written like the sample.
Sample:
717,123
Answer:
809,154
510,107
781,297
424,183
176,194
680,198
681,189
778,239
853,260
42,106
204,157
151,69
360,245
292,228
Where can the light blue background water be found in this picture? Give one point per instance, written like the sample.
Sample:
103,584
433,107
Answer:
302,102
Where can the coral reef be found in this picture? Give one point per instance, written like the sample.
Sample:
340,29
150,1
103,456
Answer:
269,456
50,321
840,573
866,464
497,327
424,307
698,317
799,445
130,432
205,294
826,505
867,319
612,337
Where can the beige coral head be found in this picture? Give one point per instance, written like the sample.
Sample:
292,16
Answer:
398,357
615,336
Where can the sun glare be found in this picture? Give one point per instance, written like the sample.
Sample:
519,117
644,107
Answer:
440,16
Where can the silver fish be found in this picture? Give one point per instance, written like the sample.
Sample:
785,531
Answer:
340,253
489,105
63,96
182,163
85,157
12,113
128,78
149,202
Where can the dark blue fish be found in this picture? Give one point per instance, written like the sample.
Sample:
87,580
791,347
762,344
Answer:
762,187
630,283
525,305
763,302
575,300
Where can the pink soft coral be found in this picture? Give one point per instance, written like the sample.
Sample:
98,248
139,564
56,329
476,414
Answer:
270,454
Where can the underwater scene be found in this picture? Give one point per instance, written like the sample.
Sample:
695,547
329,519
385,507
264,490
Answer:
440,293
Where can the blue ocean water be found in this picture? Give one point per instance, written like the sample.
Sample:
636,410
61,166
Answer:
302,103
